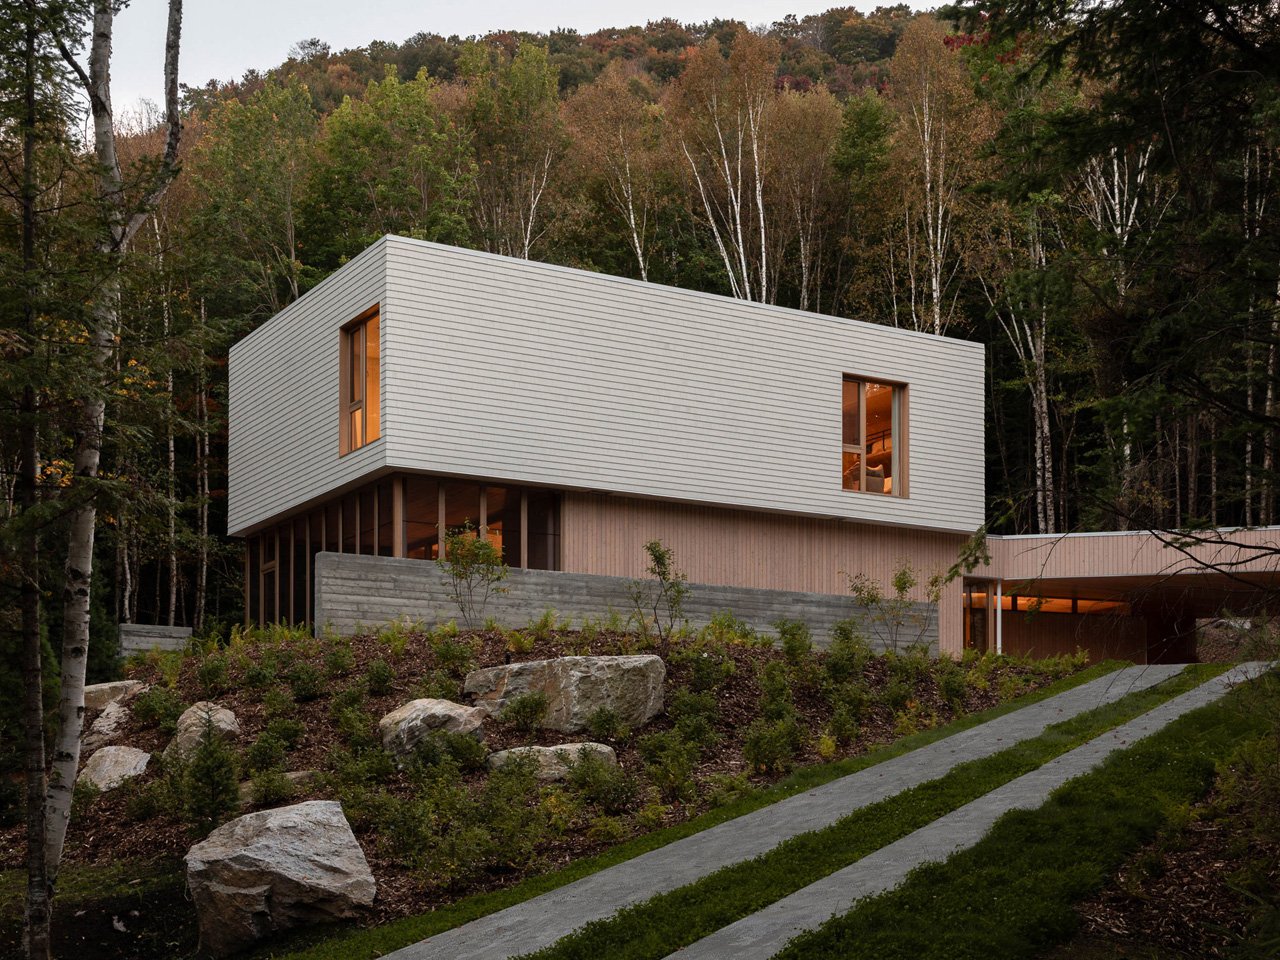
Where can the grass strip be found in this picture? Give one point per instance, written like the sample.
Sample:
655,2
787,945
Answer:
664,923
375,941
1011,895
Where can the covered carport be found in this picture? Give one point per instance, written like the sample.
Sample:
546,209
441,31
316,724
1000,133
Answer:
1136,595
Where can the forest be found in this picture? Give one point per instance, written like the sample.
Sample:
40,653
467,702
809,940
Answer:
1090,190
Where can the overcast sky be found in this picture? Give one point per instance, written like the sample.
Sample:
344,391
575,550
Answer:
223,38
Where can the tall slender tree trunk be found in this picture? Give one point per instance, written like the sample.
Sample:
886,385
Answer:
202,484
36,911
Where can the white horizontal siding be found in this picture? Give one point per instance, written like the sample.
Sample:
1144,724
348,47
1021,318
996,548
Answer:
514,370
283,400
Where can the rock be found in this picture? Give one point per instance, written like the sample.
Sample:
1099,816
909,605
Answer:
108,727
98,695
403,728
576,687
275,870
191,727
299,779
110,767
553,762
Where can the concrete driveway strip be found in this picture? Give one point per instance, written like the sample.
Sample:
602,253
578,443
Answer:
765,933
543,920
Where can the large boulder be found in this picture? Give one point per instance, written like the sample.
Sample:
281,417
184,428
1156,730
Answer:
553,762
404,727
192,724
108,727
576,687
110,767
98,695
275,870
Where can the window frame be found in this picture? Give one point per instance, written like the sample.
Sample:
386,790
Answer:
898,435
352,392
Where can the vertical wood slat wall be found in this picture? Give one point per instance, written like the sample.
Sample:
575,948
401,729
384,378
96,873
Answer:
606,535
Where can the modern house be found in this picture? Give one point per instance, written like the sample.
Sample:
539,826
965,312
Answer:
572,416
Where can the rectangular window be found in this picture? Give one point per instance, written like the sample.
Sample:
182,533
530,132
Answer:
502,522
421,516
873,436
544,530
360,383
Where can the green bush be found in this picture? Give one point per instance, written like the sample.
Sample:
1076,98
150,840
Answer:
725,628
795,639
951,685
603,723
775,691
668,763
378,678
339,660
601,783
439,746
356,728
728,788
266,753
306,682
277,703
160,707
896,694
270,787
848,655
454,656
210,785
438,685
526,711
259,676
211,674
520,642
708,671
606,830
287,731
543,629
843,726
694,715
771,745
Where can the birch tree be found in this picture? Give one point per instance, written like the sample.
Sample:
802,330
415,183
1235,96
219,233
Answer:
718,108
125,203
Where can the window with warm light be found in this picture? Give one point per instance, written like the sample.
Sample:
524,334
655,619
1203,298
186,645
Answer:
873,437
360,413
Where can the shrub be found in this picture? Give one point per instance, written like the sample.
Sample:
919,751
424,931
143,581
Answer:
598,782
339,660
775,691
590,630
849,653
441,746
378,677
910,668
395,636
277,703
508,807
795,639
473,571
668,763
827,746
269,787
896,694
844,725
708,671
526,711
266,753
356,728
286,730
725,628
438,685
694,716
211,674
603,723
211,790
259,675
306,682
651,816
951,685
606,830
454,656
728,788
770,745
159,706
544,628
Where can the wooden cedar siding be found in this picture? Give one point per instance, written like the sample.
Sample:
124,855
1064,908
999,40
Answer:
1133,553
606,535
524,372
283,429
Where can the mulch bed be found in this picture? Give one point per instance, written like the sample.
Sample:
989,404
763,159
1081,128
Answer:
1181,898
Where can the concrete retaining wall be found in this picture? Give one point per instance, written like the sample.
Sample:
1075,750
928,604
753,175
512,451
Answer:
141,637
353,591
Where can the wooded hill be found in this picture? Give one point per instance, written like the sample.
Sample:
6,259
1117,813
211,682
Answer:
1087,189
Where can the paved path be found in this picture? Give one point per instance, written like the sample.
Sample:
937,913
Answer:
763,934
543,920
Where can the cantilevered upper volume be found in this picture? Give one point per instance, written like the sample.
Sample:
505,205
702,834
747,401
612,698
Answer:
421,359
